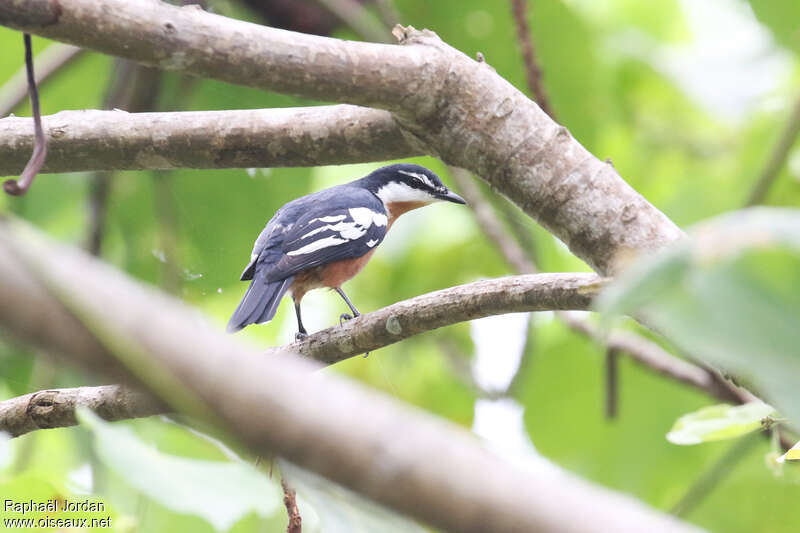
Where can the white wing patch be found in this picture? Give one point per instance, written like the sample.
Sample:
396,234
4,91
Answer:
335,218
362,219
348,230
365,217
318,245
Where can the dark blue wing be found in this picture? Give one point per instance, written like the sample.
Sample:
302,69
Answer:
324,234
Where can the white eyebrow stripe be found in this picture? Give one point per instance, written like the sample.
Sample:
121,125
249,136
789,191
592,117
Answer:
425,179
319,244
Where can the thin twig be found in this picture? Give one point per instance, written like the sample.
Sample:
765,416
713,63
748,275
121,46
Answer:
388,13
48,62
777,158
709,480
359,19
532,69
491,226
612,375
295,524
132,88
99,189
643,351
18,188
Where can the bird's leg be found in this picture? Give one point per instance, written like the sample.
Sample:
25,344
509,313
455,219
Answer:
301,331
345,316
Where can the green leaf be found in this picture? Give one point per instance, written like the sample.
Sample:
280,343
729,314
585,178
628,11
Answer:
219,492
719,422
793,455
735,303
782,17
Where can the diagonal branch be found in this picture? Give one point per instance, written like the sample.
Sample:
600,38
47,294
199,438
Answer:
534,73
116,140
99,319
514,294
446,103
643,351
359,19
777,158
48,62
363,334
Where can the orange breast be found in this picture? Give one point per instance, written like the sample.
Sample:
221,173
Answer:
396,209
336,273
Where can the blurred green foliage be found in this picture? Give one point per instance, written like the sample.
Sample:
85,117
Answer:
604,71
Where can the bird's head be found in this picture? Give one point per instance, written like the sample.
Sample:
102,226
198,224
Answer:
405,183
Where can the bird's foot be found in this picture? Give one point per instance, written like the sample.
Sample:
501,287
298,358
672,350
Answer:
344,317
300,336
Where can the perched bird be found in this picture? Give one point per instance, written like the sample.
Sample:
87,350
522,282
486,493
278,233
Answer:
325,238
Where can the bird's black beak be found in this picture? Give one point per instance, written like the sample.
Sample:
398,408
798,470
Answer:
450,196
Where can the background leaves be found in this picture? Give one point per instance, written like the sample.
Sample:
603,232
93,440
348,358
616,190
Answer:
607,70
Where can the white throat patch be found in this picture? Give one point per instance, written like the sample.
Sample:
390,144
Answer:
400,192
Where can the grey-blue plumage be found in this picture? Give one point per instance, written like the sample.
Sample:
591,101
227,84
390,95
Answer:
325,238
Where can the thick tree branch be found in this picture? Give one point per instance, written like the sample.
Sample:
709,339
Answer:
116,140
55,408
514,294
407,460
366,333
447,103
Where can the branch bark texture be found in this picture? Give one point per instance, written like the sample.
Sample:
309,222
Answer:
49,409
56,407
446,103
514,294
401,457
117,140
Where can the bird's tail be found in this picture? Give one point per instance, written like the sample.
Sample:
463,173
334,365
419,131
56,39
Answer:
259,302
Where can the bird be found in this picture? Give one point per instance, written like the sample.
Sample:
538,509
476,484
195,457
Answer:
325,238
